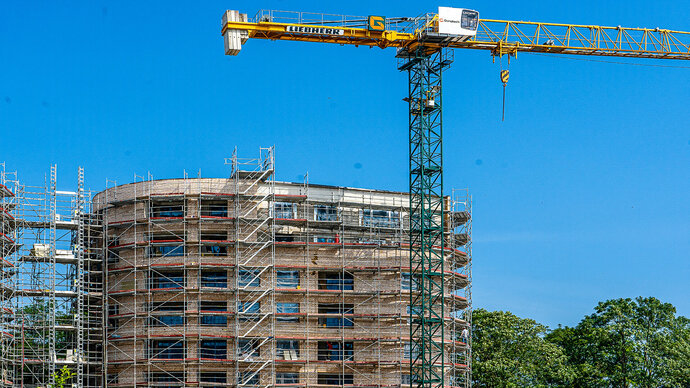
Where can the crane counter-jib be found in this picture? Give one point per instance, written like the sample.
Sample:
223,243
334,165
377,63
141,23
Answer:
322,34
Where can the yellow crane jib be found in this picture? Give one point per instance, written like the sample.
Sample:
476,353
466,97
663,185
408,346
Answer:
455,28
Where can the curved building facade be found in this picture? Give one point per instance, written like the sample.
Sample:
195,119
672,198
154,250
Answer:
249,282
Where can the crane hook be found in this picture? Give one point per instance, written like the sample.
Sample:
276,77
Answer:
505,74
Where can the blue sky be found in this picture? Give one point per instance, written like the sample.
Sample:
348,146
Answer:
581,195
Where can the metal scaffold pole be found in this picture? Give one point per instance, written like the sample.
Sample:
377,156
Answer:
52,351
80,313
10,234
427,246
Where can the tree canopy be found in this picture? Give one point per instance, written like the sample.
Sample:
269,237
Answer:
624,343
509,351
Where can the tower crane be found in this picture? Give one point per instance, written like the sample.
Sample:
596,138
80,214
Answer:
423,48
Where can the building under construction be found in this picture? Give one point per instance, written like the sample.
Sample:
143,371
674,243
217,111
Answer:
51,290
220,282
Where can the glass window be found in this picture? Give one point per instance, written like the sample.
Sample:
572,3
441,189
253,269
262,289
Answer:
412,312
284,238
158,319
285,210
468,20
287,378
325,239
214,319
216,279
112,378
172,279
336,309
248,348
335,379
287,308
371,241
214,250
165,250
287,349
171,209
163,237
166,320
213,377
249,311
325,213
335,351
167,377
214,208
167,349
113,323
250,379
406,282
380,218
208,248
406,379
411,351
336,281
249,278
113,256
214,236
166,306
287,279
113,309
215,349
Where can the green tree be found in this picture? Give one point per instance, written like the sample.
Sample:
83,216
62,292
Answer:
509,351
628,343
33,332
62,377
675,351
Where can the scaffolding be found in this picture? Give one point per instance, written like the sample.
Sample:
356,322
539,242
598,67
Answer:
460,237
255,216
249,282
56,296
9,235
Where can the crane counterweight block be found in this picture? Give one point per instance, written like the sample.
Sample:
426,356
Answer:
234,38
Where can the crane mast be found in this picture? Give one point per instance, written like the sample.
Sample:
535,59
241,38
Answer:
422,45
427,208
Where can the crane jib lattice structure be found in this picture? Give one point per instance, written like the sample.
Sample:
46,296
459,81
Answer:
422,44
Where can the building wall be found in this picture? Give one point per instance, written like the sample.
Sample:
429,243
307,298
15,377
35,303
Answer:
172,242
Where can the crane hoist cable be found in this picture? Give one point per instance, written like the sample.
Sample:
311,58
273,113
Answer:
505,74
